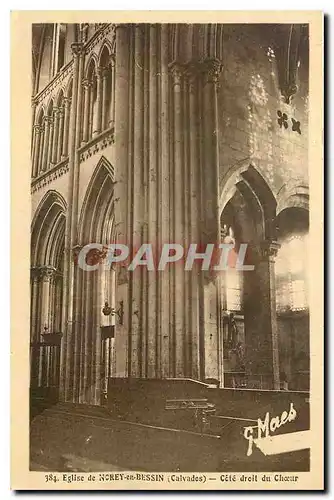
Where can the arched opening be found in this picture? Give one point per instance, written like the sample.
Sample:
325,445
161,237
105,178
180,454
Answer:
93,351
90,103
107,87
291,272
62,28
58,129
250,350
58,47
38,143
47,265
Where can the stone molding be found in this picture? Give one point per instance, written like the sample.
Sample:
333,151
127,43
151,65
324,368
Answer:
209,69
97,144
100,35
269,249
45,273
54,83
50,175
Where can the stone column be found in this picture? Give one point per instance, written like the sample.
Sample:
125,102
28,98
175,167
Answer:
104,108
67,360
164,219
34,334
112,95
195,347
91,113
58,304
55,135
262,349
210,230
86,110
136,138
47,275
267,269
177,214
33,116
97,116
47,121
152,168
33,143
41,148
51,134
67,110
210,159
123,113
37,134
60,134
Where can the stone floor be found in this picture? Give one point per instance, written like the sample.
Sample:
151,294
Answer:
77,438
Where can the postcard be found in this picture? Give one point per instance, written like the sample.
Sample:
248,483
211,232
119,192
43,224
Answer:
167,250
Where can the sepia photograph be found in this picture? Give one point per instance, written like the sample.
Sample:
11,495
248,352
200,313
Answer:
170,242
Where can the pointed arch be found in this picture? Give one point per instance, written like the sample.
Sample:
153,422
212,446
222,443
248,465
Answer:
50,107
69,88
59,98
40,115
248,208
106,48
295,196
48,230
93,289
247,179
47,256
92,65
97,204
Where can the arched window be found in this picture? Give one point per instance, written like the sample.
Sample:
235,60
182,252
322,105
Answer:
90,103
291,279
58,47
107,87
291,262
61,46
291,269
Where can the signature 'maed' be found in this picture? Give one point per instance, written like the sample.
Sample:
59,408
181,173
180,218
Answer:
268,425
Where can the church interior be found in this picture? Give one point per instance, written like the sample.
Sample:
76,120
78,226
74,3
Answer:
155,133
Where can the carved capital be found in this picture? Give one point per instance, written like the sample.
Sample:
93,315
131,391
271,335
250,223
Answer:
269,250
86,83
34,274
47,273
37,129
211,69
67,102
177,71
77,48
